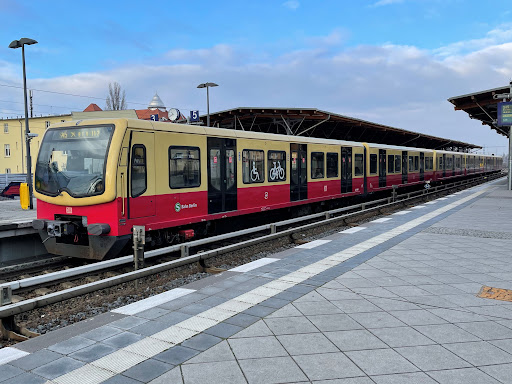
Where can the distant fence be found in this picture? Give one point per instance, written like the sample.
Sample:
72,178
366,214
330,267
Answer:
6,178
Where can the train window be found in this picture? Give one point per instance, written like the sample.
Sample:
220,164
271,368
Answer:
138,170
398,163
429,163
276,165
449,162
416,163
411,163
373,163
440,162
358,165
332,165
457,163
253,166
317,165
391,164
184,167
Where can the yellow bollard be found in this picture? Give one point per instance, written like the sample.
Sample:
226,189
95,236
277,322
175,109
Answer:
24,196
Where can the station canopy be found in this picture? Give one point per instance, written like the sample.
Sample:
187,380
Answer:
316,123
482,106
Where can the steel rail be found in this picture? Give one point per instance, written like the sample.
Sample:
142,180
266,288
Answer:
30,304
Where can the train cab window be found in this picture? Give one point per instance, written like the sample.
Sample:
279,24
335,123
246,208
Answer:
184,167
276,166
416,163
253,166
391,164
358,165
332,165
373,163
138,170
398,163
317,165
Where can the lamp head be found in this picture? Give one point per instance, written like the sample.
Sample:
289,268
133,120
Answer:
206,85
21,42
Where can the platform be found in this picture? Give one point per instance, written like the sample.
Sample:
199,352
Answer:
12,214
392,301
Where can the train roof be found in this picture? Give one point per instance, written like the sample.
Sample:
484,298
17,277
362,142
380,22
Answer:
202,130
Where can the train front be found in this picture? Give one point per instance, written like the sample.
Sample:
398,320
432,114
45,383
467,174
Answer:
75,184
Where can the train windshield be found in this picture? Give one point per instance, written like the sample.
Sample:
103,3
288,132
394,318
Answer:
73,160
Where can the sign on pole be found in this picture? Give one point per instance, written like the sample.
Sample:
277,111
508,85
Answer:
154,117
505,114
194,116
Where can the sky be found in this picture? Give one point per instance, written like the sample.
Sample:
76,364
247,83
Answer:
393,62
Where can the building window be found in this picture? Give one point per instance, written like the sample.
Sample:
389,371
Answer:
7,150
276,165
184,167
317,165
7,170
47,124
6,127
358,165
253,166
332,165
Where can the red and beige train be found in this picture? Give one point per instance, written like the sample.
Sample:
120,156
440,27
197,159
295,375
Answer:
96,179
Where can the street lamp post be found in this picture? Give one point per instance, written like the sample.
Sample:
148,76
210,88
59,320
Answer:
207,86
17,44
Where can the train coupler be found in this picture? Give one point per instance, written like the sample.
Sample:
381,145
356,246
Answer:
9,330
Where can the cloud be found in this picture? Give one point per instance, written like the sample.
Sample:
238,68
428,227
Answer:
381,3
291,4
397,85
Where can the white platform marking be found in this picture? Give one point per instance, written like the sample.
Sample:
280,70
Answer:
9,354
381,220
401,213
254,264
431,202
443,198
418,207
353,230
313,244
121,360
153,301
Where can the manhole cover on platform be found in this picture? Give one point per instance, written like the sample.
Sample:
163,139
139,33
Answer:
495,293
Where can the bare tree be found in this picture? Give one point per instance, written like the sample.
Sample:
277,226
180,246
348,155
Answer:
116,98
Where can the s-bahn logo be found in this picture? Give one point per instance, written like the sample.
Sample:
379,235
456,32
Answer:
177,207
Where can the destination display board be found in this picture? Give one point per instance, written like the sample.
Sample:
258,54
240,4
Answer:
505,114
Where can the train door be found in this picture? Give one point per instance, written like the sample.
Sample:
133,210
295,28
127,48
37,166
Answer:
142,177
444,165
404,167
222,185
382,168
422,166
299,172
346,169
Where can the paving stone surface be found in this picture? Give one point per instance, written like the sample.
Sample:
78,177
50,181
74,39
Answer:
401,308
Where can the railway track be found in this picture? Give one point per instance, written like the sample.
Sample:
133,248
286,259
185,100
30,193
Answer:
170,267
